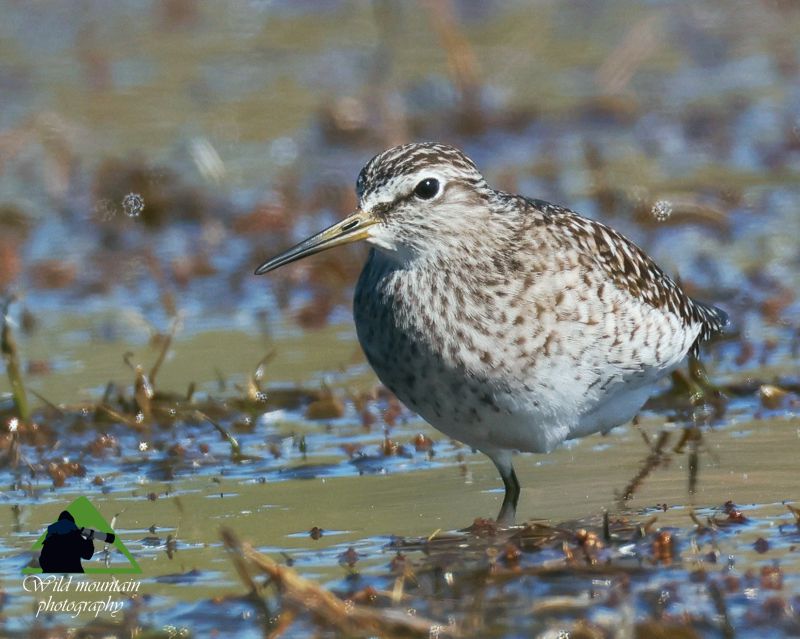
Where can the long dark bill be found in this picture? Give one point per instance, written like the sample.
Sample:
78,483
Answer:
351,229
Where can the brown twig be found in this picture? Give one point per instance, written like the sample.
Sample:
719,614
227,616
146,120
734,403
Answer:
461,58
48,403
128,421
722,610
163,353
166,296
656,457
299,594
236,449
8,347
638,44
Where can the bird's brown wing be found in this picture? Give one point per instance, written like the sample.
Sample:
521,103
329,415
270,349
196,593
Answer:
632,270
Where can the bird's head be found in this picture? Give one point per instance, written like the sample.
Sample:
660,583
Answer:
414,200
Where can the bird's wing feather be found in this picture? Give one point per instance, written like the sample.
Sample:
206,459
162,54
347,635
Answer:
632,270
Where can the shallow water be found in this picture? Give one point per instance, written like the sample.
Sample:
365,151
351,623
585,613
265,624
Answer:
243,127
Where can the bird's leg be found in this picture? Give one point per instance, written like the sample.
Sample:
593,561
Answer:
508,511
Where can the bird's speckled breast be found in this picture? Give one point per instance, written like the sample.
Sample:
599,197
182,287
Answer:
433,337
406,324
498,366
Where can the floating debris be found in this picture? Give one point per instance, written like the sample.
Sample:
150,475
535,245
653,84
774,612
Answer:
133,204
662,209
772,396
328,406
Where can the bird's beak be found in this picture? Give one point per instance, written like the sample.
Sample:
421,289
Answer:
351,229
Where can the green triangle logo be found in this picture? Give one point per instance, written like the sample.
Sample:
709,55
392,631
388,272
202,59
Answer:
87,516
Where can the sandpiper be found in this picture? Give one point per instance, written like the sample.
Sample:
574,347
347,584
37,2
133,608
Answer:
508,323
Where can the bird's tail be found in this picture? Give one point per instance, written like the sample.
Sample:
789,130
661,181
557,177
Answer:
714,321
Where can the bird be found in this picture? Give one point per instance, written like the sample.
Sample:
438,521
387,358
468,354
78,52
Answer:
508,323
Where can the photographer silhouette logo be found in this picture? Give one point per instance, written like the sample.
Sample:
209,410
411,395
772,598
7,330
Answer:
76,535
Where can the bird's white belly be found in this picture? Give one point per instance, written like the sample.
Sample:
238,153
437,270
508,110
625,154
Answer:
481,415
497,413
485,414
521,420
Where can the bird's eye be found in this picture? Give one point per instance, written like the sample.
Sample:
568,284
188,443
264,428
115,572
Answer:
427,189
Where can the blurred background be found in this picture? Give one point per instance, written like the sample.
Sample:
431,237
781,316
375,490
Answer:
152,154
